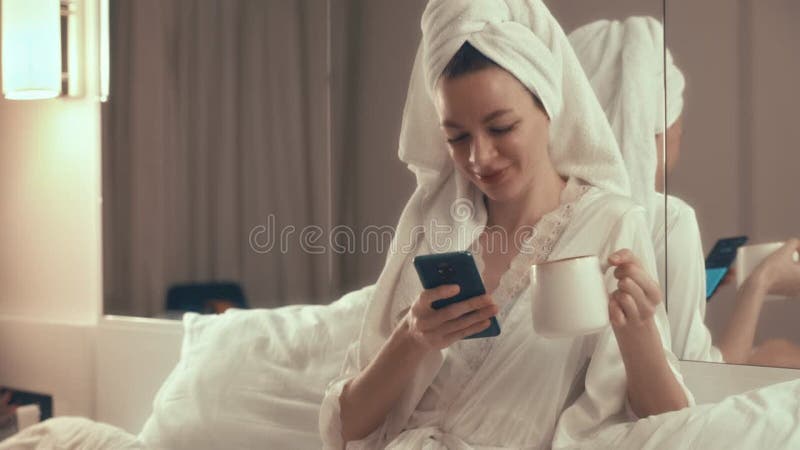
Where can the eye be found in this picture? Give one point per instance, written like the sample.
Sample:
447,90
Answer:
457,139
502,130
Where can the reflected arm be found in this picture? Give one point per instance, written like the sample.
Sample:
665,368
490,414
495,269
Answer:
736,342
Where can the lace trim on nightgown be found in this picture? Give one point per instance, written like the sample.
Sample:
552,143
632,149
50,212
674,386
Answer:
537,248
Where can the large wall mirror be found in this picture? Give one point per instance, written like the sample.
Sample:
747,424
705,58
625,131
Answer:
251,146
735,173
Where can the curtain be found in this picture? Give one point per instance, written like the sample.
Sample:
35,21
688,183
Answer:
215,158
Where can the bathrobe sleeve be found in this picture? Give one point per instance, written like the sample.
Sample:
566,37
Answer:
686,284
603,401
330,424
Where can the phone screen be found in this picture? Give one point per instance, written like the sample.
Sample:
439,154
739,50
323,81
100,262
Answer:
719,261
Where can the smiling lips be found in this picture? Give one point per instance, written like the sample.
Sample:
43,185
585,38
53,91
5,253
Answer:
492,177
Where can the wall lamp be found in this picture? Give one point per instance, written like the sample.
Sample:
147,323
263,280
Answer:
43,51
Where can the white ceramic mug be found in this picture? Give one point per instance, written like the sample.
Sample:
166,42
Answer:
748,257
569,297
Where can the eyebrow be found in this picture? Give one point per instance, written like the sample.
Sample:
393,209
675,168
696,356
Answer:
488,118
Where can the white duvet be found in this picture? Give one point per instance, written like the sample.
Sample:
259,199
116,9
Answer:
767,418
72,433
255,379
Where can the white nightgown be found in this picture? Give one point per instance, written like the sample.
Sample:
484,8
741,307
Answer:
525,391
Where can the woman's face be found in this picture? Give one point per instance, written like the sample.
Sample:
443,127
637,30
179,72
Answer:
497,134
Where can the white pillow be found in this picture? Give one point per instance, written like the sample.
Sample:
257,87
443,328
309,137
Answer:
254,378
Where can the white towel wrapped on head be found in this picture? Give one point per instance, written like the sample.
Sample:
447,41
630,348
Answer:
487,26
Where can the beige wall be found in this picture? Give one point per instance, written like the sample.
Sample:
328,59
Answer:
774,147
50,263
49,174
708,170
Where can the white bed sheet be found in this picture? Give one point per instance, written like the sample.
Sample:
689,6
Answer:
764,418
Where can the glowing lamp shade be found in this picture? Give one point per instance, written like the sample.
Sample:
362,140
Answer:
31,49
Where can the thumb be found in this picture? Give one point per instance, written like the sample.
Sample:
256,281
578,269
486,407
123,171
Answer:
620,257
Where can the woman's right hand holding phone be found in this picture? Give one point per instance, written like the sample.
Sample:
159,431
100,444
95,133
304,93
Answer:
367,399
436,329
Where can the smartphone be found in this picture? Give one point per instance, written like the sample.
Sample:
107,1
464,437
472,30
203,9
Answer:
454,268
719,261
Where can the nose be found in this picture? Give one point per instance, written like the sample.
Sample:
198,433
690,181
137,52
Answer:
481,151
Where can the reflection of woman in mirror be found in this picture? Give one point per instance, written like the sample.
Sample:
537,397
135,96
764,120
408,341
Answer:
515,133
624,62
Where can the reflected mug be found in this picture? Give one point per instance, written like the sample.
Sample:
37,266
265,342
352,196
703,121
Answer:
748,257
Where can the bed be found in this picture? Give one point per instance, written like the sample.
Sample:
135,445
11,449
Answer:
239,385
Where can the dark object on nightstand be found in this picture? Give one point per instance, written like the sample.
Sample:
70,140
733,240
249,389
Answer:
44,401
206,298
14,401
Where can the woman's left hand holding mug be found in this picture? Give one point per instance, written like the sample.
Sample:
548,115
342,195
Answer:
633,304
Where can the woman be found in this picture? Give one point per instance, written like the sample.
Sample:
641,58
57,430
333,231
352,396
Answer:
624,62
524,144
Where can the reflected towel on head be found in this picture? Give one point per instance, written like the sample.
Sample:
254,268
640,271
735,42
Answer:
624,62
